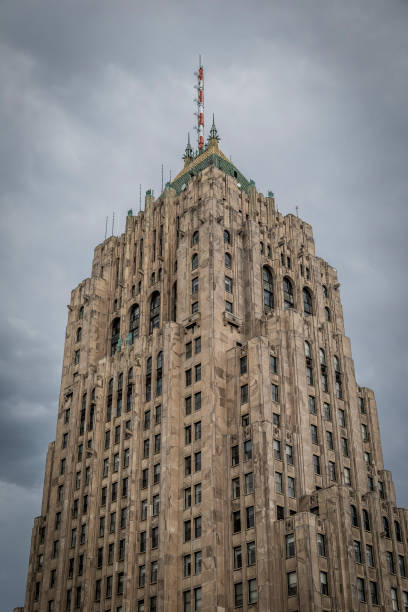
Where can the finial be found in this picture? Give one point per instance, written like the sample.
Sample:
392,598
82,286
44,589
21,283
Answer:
213,132
188,154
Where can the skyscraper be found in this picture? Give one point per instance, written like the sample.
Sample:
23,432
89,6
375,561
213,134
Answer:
213,448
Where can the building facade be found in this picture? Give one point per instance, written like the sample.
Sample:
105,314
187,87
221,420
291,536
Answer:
213,449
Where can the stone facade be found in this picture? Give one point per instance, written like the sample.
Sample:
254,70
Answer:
213,448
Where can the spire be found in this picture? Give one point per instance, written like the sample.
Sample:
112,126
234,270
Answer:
213,133
188,154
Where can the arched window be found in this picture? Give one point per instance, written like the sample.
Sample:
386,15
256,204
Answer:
228,261
154,311
386,527
267,289
336,363
79,334
109,400
366,520
322,357
159,274
129,395
159,374
227,237
81,312
327,314
324,291
194,261
307,301
115,334
308,351
195,238
288,301
174,302
130,374
354,516
148,389
397,529
133,291
110,386
134,322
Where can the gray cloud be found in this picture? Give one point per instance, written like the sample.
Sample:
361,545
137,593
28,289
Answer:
310,100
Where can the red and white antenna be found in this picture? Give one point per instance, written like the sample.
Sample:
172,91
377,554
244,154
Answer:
200,106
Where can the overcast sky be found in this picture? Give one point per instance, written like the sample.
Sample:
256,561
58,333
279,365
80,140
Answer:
310,99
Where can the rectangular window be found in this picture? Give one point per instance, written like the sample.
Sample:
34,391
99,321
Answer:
278,482
156,473
155,537
237,557
347,476
229,307
187,498
361,589
238,595
197,401
394,598
157,443
117,434
273,364
187,531
243,365
374,594
187,565
123,518
197,493
112,523
245,420
250,517
312,404
292,584
276,419
126,457
401,566
321,545
327,411
198,558
187,465
197,345
235,455
145,478
197,372
236,489
244,394
251,553
249,483
324,585
291,487
142,576
197,527
252,591
369,555
341,417
187,405
194,288
344,447
228,284
314,434
390,562
275,392
142,547
189,350
236,521
197,461
289,454
277,450
187,601
329,440
188,377
247,450
316,464
290,545
187,434
332,471
357,551
197,430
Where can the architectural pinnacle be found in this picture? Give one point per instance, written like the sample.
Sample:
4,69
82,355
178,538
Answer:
213,132
188,154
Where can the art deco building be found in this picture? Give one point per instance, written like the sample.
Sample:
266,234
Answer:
213,449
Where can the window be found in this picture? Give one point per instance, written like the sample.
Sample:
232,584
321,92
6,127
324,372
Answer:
288,301
252,591
374,593
316,464
314,433
115,334
187,531
290,545
228,284
361,589
236,521
369,555
235,455
120,583
404,600
236,489
157,443
243,369
238,595
401,566
361,405
77,356
153,572
321,545
237,557
227,237
275,392
142,576
187,565
280,513
197,493
327,314
194,285
134,322
267,289
187,463
394,598
347,476
250,517
329,440
312,404
245,420
189,350
332,471
277,450
142,543
121,555
244,394
397,529
247,450
354,516
197,461
291,487
342,417
197,527
307,302
153,604
278,482
327,411
123,517
156,505
194,261
273,364
154,311
324,585
187,601
197,372
195,238
357,552
187,434
386,527
367,458
198,558
101,526
228,261
292,584
156,473
390,562
289,454
197,401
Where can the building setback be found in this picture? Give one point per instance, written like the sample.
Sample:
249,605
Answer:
213,448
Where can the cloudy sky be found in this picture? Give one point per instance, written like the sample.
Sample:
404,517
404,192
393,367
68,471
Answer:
310,99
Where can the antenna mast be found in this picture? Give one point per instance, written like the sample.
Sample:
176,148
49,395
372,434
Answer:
200,106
